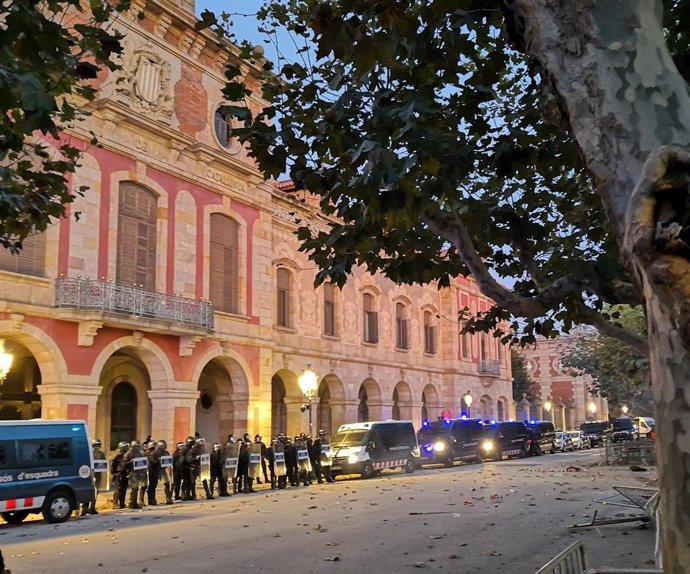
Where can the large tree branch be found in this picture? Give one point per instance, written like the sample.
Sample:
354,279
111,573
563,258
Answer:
609,329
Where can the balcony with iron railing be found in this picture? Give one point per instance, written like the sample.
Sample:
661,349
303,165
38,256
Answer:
490,367
132,301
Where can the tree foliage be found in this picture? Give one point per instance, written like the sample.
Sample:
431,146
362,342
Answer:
49,50
435,147
619,373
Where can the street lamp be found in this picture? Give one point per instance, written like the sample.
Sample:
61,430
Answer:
467,398
308,384
547,407
5,361
624,408
592,408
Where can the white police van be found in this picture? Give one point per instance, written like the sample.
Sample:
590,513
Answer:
45,466
368,448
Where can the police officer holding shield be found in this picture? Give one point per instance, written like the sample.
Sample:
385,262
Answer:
303,464
187,464
323,447
177,460
118,470
231,453
100,471
165,462
217,460
137,466
201,468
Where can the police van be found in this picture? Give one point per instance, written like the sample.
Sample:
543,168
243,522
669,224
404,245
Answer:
45,466
368,448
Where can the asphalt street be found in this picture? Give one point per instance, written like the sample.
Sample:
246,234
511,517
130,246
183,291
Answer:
505,517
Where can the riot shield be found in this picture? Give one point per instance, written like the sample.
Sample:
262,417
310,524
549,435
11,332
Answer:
279,468
139,475
166,461
303,463
231,452
100,471
204,462
325,454
255,460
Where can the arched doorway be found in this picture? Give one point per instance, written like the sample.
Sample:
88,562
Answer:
369,395
430,406
500,410
123,414
486,408
278,406
215,415
19,398
324,416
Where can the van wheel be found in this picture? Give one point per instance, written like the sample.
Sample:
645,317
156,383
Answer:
58,507
449,461
367,470
15,517
409,466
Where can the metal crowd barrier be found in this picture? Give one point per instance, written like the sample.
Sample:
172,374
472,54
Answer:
573,560
641,451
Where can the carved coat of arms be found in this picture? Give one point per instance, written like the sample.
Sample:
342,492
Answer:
146,82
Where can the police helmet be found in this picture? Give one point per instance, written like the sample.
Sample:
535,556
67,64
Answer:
201,440
321,431
96,442
164,444
179,445
135,442
122,445
216,446
190,440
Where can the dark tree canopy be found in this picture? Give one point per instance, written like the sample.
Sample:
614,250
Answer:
48,53
430,140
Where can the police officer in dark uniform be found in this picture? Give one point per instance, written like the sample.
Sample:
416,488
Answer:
291,462
315,459
243,484
324,468
257,440
118,470
217,462
178,457
188,487
154,472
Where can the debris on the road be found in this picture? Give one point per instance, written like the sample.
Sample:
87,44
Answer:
332,559
419,564
636,468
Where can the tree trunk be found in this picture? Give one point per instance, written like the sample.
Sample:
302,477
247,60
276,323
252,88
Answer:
618,91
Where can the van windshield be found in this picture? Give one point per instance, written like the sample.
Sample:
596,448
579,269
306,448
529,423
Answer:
432,431
592,427
353,437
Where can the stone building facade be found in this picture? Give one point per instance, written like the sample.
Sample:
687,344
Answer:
178,300
569,399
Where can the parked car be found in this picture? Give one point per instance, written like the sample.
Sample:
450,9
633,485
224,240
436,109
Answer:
445,441
623,429
579,440
563,441
595,431
505,440
543,437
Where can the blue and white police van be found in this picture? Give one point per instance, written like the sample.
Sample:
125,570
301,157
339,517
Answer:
45,466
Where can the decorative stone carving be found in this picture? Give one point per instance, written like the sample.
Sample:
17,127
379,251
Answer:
87,332
16,322
138,337
187,345
163,24
146,83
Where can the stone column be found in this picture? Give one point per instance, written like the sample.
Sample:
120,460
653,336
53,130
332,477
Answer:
343,412
380,410
297,420
173,412
75,399
417,414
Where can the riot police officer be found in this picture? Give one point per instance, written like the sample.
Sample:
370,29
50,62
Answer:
291,462
98,457
165,463
178,459
217,462
137,471
243,484
201,466
322,446
257,440
154,472
188,485
314,459
118,471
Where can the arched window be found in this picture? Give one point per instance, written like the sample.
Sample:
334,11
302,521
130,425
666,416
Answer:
396,406
30,260
429,333
323,420
371,319
499,410
363,408
328,309
136,238
278,407
283,297
465,345
123,414
402,326
224,264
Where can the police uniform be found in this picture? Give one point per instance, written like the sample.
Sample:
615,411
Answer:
178,457
118,471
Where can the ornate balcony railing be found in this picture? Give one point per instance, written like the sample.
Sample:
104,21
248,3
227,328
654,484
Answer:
83,293
491,367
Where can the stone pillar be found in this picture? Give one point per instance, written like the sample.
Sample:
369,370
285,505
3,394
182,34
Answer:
417,414
343,412
297,420
380,410
522,413
70,400
173,412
